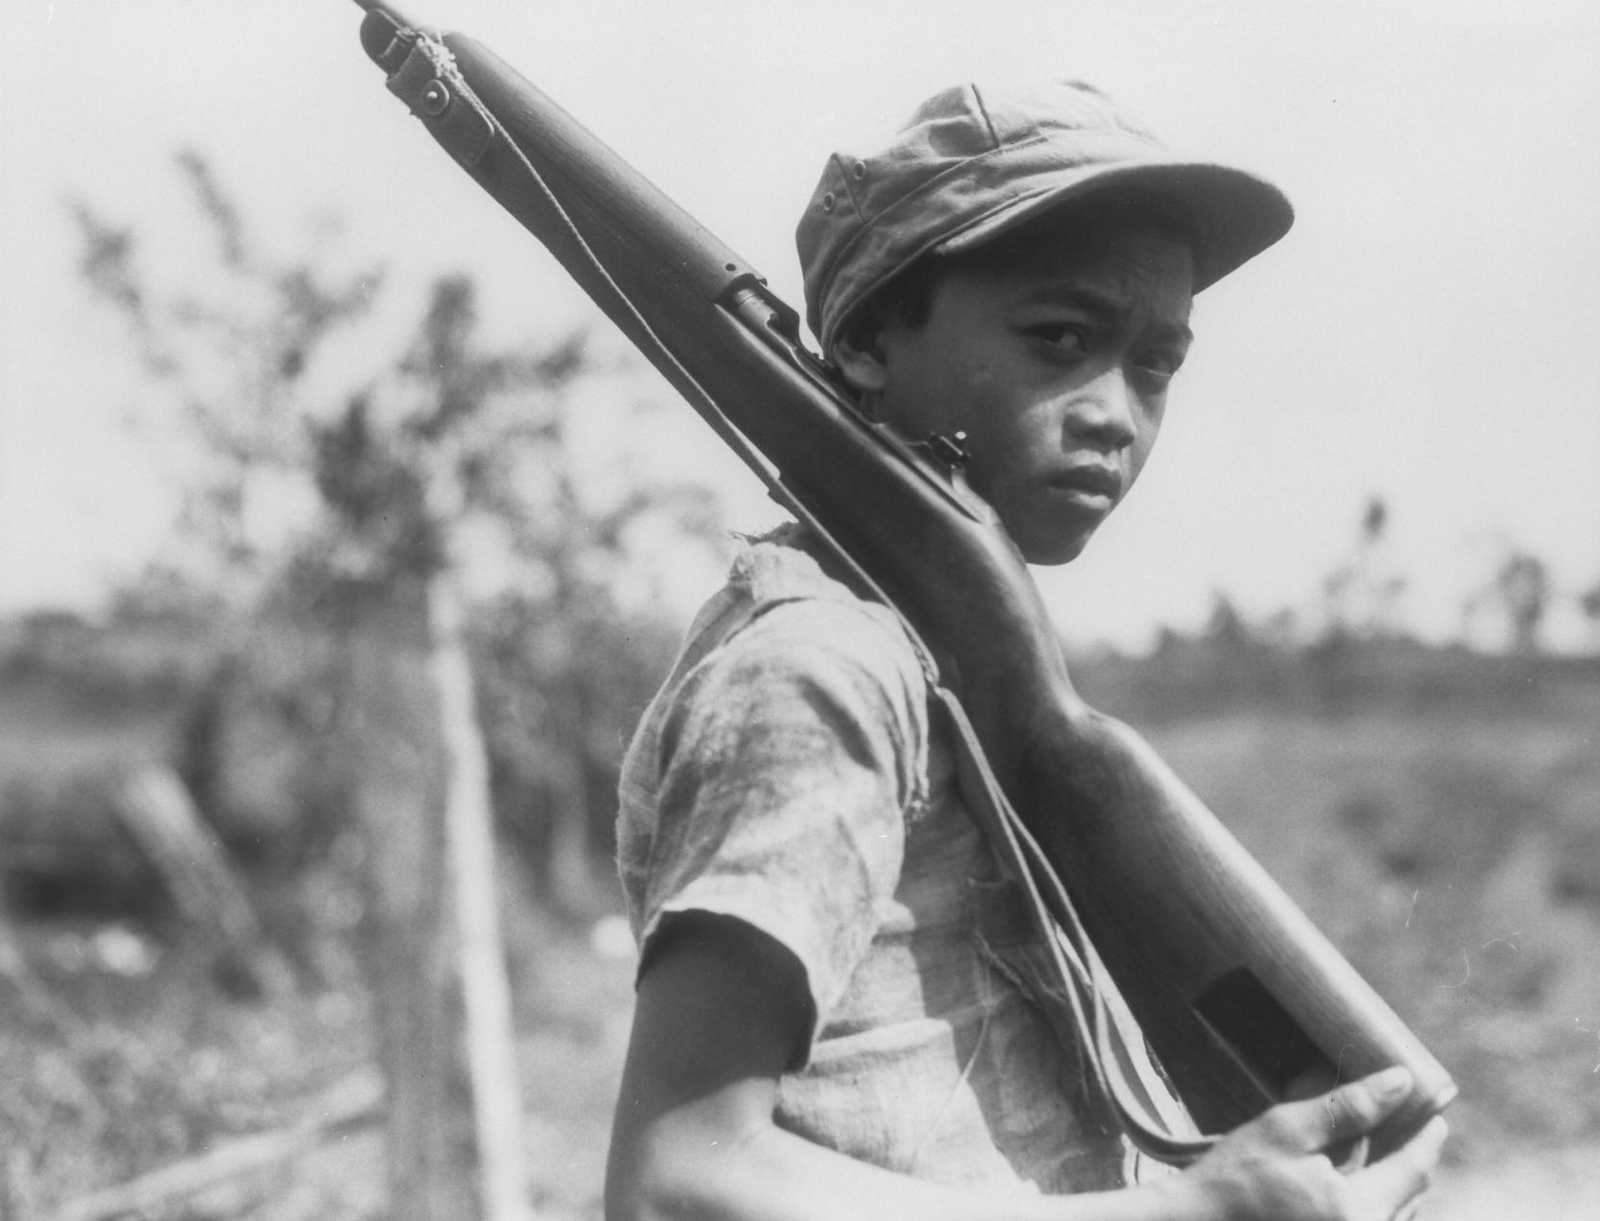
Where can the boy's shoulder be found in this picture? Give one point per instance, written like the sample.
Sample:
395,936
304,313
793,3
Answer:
787,563
783,639
785,586
786,674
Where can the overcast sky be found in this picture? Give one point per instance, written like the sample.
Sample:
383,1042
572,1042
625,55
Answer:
1426,333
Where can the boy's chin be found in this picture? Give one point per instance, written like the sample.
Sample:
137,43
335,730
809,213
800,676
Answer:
1050,539
1055,551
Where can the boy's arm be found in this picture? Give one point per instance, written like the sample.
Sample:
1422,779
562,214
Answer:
722,1012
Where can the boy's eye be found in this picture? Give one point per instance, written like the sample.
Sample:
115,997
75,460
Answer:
1070,338
1158,367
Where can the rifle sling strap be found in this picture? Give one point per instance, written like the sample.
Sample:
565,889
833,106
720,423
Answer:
1101,1024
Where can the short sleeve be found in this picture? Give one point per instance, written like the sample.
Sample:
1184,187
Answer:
788,763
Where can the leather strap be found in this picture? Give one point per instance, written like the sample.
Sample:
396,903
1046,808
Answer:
1102,1024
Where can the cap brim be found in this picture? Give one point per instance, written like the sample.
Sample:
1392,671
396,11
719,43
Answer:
1235,215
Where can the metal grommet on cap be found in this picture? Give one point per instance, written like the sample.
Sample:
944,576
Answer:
828,202
859,169
435,98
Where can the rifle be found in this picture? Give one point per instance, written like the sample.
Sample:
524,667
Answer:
1235,989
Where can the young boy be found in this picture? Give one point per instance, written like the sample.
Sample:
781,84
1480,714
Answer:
840,1012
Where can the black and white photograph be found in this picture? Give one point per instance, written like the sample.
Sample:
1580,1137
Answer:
759,611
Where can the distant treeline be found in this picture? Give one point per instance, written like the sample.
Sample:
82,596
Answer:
133,661
1188,676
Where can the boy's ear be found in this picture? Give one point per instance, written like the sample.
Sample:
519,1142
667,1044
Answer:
860,359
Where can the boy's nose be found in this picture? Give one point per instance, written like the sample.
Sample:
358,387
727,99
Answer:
1103,411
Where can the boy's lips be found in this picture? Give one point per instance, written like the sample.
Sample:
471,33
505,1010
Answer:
1089,481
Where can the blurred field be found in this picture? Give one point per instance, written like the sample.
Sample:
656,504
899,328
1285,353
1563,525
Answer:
1455,860
1453,851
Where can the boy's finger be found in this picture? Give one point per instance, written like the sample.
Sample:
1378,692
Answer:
1405,1174
1344,1115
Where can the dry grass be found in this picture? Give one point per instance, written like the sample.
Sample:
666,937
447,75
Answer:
152,1064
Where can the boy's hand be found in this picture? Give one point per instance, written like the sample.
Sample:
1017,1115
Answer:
1278,1167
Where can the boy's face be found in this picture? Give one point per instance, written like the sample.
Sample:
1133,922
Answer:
1053,354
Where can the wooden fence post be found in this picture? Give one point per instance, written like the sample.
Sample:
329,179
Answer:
420,788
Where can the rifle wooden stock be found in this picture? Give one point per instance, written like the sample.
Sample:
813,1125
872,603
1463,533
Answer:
1233,986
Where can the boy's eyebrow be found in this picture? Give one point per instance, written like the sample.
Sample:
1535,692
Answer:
1108,306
